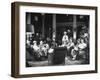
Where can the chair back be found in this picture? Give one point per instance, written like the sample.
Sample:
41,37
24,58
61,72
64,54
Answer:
59,55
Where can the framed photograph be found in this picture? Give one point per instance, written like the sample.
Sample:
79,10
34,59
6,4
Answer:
53,39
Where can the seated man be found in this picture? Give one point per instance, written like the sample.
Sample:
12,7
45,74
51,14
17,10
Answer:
35,46
79,49
36,53
53,43
43,48
70,46
82,49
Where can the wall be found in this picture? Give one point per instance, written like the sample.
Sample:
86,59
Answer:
5,40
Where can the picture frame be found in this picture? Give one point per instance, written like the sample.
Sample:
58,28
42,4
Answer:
20,17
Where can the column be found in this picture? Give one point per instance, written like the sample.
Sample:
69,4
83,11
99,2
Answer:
54,26
43,21
74,28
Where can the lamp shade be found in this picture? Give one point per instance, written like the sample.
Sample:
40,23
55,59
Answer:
30,28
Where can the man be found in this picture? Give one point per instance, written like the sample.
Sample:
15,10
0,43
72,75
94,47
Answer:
54,44
69,33
65,37
80,48
70,46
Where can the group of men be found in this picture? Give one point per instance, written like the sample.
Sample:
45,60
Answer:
73,49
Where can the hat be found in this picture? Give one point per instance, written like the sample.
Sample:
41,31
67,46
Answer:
34,41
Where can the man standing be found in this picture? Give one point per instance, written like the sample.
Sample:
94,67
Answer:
65,37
